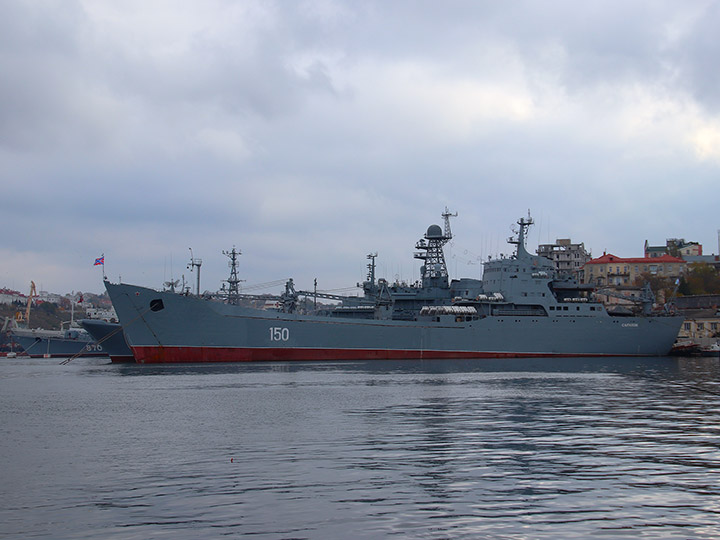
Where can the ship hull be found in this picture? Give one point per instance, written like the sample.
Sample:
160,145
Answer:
170,328
112,339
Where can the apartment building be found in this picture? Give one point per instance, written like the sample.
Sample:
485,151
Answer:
610,270
569,258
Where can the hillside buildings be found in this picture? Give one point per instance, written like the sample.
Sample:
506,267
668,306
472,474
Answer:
702,318
622,278
676,247
712,260
610,270
8,296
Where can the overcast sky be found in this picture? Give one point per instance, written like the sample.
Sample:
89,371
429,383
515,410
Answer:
311,133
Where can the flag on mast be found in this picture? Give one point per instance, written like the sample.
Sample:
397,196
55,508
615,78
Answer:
100,260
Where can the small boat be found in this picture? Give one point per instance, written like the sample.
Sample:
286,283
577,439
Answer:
685,348
691,348
711,350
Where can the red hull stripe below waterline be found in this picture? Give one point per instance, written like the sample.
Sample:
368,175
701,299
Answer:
178,355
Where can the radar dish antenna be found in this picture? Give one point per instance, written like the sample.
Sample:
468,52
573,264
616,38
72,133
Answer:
170,285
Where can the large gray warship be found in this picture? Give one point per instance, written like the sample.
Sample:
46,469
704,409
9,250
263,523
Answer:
521,308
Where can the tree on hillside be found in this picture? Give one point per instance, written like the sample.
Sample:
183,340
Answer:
684,288
662,287
47,307
701,278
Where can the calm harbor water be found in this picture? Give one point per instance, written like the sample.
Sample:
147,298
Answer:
519,449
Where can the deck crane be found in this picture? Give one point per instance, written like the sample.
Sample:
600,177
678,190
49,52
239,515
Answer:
646,298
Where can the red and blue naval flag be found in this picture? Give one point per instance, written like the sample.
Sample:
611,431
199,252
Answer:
100,260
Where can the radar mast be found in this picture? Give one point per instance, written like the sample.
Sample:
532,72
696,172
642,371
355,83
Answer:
233,281
524,225
434,269
195,263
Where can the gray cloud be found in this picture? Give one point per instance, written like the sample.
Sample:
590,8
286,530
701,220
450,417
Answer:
309,134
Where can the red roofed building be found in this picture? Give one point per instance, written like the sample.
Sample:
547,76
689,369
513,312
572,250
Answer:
610,270
8,296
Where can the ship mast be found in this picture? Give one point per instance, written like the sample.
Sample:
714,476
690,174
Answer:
521,236
434,269
191,266
446,215
371,268
233,281
371,287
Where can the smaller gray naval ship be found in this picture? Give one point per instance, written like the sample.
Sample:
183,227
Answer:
72,341
69,341
110,336
520,308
